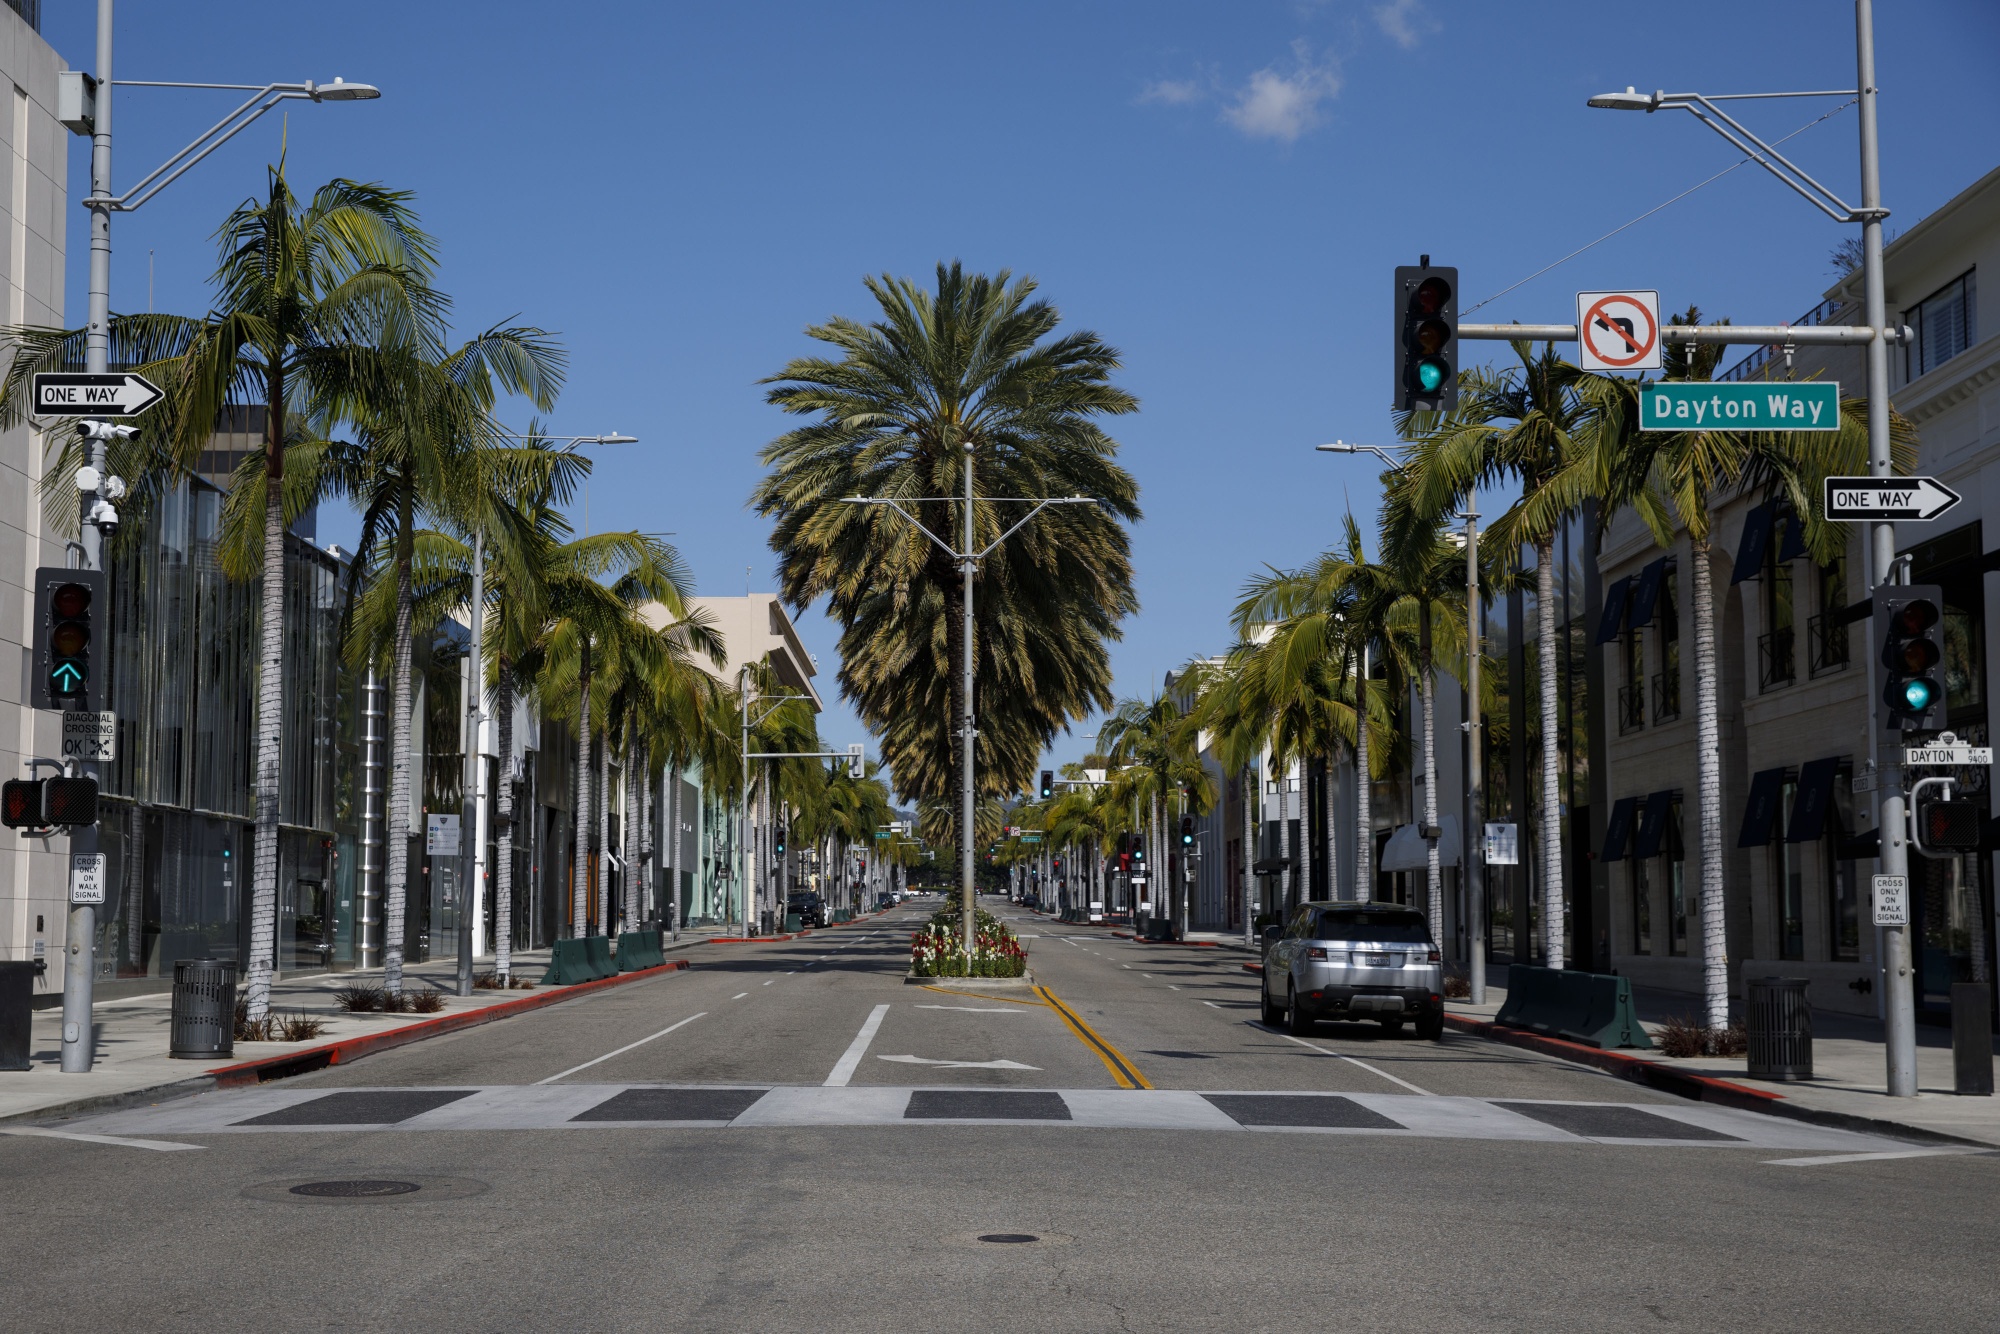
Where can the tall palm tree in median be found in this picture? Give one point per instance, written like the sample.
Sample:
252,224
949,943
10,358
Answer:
1674,481
977,364
302,286
1156,743
1538,427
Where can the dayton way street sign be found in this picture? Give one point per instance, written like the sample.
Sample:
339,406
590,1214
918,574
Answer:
1618,331
1878,498
1948,754
116,394
1706,405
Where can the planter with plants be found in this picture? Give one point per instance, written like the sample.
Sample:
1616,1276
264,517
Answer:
937,953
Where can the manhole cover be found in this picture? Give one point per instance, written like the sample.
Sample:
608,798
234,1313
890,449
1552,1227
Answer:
355,1190
1009,1238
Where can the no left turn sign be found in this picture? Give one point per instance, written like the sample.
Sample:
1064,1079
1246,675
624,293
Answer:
1618,331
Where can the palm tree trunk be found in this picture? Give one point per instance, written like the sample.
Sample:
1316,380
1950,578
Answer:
633,806
1249,854
270,732
1433,876
1332,836
1304,883
579,873
1364,792
671,852
503,881
1284,841
606,918
396,879
1708,782
1545,657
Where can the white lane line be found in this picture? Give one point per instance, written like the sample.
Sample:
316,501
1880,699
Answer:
739,995
162,1145
1373,1070
850,1061
973,1009
1882,1156
790,971
1214,1005
1172,987
622,1050
1147,976
769,983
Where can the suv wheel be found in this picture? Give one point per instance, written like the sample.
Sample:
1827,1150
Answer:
1273,1016
1431,1027
1392,1026
1297,1023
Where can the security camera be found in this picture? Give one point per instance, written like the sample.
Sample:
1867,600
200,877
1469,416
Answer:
105,515
114,488
97,430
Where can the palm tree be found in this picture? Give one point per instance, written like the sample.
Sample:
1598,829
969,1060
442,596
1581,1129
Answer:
1539,427
1673,481
1157,746
975,366
301,288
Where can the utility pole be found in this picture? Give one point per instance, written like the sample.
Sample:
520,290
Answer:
1472,846
472,839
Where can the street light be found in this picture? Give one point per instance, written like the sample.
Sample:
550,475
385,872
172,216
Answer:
1899,1016
93,117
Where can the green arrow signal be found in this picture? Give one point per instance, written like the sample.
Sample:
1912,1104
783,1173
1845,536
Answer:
68,678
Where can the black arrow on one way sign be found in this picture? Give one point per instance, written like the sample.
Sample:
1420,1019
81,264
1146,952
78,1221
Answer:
1864,498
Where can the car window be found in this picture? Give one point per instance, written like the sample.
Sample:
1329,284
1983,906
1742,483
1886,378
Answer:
1378,928
1301,926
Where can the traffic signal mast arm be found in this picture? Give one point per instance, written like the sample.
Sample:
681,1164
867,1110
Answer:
1741,335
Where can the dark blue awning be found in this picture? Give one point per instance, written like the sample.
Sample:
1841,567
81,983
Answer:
1751,546
1646,597
1653,823
1612,622
1618,829
1760,813
1815,795
1792,546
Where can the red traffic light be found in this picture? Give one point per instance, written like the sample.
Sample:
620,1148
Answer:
69,600
1916,616
1431,295
21,803
1952,825
69,800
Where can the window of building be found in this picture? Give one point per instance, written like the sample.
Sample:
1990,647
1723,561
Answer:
1964,662
1827,633
1642,905
1632,688
1843,902
1673,881
1945,324
1667,684
1774,646
1788,877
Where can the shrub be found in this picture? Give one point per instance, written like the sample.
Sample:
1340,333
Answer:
300,1028
1682,1037
253,1030
1457,986
427,1001
939,949
359,999
395,1002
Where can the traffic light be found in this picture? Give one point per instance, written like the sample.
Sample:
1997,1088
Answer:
1187,831
66,605
1909,628
21,803
778,845
1949,826
1048,784
1426,338
37,803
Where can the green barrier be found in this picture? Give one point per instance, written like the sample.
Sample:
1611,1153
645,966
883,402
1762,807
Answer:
597,949
791,923
1594,1009
638,950
569,963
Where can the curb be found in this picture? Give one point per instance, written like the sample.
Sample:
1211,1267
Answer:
1697,1088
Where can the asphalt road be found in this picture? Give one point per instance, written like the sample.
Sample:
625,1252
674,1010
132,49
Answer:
787,1136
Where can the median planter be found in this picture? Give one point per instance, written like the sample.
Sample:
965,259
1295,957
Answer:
1025,982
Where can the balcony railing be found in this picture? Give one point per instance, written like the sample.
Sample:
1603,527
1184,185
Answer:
1826,642
1748,368
1631,709
1666,697
1775,660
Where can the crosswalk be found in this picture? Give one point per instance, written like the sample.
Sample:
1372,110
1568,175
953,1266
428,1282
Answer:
741,1107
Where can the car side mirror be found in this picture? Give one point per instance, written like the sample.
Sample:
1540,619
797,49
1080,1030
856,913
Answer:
1271,933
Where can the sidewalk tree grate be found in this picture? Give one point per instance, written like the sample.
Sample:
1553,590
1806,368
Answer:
355,1190
985,1105
369,1107
673,1105
1316,1111
1596,1121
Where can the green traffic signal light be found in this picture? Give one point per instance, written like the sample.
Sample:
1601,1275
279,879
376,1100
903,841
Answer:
1431,374
1919,695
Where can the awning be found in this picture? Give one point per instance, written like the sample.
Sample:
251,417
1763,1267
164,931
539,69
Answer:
1751,546
1792,546
1646,597
1405,850
1618,829
1653,823
1612,622
1760,813
1815,795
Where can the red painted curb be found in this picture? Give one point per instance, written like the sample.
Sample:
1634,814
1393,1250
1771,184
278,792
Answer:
1667,1079
1258,968
352,1049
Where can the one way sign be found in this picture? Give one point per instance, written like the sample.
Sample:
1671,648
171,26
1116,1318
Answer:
1879,498
73,394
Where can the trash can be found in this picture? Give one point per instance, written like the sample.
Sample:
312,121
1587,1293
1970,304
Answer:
17,1002
1779,1025
204,1022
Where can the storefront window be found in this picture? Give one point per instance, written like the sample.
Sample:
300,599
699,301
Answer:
1673,869
1788,876
1642,906
1843,906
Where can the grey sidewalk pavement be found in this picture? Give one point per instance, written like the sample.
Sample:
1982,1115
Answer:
1850,1071
132,1031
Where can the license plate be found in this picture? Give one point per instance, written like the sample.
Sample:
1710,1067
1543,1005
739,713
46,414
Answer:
1372,960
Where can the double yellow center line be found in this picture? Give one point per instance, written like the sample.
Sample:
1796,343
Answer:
1121,1069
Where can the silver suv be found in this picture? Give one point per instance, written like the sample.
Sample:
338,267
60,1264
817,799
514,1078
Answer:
1354,961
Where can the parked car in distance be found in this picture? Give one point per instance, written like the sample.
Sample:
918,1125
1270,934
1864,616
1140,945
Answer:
1353,961
809,907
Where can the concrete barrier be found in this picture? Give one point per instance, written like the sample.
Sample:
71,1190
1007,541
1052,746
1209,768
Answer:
1594,1009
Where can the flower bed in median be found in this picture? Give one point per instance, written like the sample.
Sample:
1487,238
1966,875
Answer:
939,949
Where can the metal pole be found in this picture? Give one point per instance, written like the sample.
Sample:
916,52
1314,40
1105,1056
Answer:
80,938
743,816
1473,844
472,848
1900,1028
965,718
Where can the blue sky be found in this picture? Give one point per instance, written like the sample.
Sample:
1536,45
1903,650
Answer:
1220,191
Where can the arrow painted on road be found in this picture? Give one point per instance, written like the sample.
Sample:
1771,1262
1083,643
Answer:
1911,498
959,1065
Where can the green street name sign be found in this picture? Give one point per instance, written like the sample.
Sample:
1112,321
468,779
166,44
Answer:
1701,405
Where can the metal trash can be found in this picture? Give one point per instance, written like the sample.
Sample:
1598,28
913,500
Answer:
17,1004
204,1022
1779,1025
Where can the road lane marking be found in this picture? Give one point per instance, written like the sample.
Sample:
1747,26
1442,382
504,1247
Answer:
851,1059
622,1050
1172,987
1351,1060
974,995
769,983
739,995
969,1009
1212,1003
1122,1070
1881,1157
161,1145
959,1065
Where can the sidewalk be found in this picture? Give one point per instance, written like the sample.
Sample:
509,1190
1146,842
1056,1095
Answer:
1850,1081
132,1033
